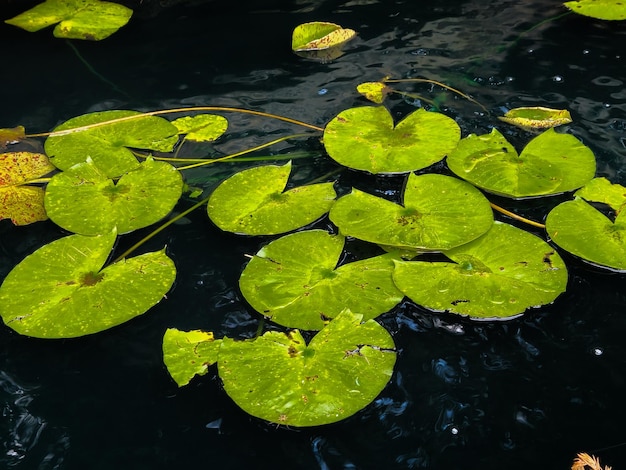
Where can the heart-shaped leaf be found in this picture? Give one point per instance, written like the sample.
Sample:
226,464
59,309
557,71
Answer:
83,200
279,378
576,226
601,9
305,289
365,138
602,190
253,202
202,127
77,19
108,145
536,117
439,213
498,275
551,163
189,353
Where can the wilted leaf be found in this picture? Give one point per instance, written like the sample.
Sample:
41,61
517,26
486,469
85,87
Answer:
536,117
373,91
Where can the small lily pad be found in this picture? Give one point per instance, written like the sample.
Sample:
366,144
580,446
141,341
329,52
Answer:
108,145
254,202
439,213
11,136
189,353
319,35
551,163
77,19
584,231
498,275
373,91
202,127
61,290
83,200
601,9
279,378
305,289
365,138
536,117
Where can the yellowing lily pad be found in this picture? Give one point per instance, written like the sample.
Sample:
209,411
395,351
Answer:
532,118
11,136
601,9
77,19
373,91
318,35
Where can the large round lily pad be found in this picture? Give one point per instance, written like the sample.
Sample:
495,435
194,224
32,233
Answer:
551,163
279,378
498,275
83,200
109,145
254,202
439,213
365,138
61,290
294,281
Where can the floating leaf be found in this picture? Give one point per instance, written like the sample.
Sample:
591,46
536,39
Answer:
601,9
305,289
252,202
536,117
439,213
576,226
498,275
364,138
602,190
319,35
77,19
11,136
202,128
373,91
189,353
551,163
108,145
22,204
83,200
61,290
279,378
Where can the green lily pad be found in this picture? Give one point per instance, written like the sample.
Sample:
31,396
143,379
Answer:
365,138
253,202
576,226
373,91
304,289
498,275
551,163
279,378
83,200
77,19
602,190
319,35
202,127
439,213
189,353
109,145
61,290
536,117
601,9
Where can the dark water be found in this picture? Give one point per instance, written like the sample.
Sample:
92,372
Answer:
528,393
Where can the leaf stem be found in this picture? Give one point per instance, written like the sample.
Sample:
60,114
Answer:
516,217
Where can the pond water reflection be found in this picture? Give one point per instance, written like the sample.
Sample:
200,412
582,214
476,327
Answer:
528,393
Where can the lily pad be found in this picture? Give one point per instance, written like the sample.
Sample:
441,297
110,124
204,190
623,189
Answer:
551,163
365,138
305,289
108,145
581,229
21,203
373,91
602,190
279,378
439,213
77,19
601,9
61,290
11,136
83,200
189,353
254,202
497,276
536,117
319,35
202,127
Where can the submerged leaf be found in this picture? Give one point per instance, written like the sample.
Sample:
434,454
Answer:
189,353
373,91
601,9
279,378
365,138
253,202
498,275
305,289
11,136
536,117
202,127
77,19
61,290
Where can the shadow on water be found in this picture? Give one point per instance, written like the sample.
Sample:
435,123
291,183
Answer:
527,393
